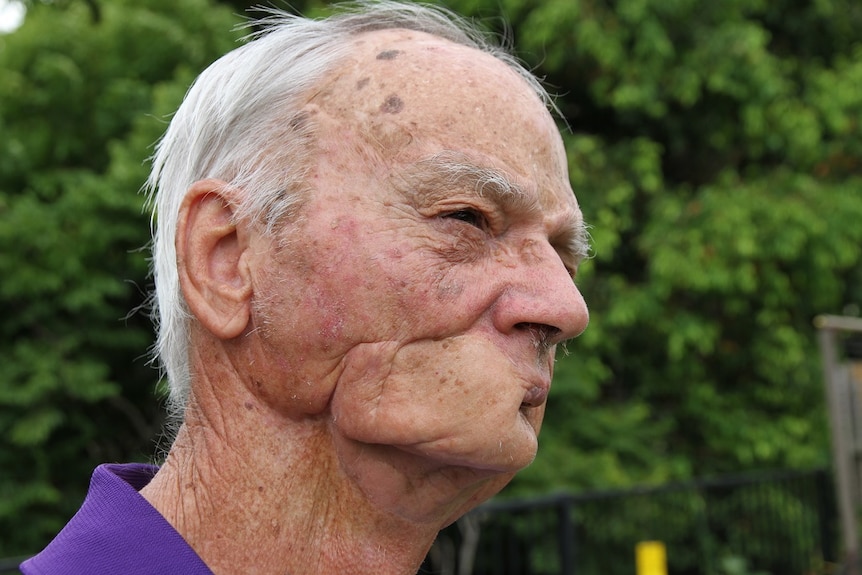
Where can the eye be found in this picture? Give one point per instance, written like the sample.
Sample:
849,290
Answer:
468,216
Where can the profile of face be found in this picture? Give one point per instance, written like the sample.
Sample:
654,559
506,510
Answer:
415,303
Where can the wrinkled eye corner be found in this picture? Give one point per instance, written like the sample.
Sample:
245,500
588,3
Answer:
471,217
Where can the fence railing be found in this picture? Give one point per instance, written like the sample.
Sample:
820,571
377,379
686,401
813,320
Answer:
781,523
9,565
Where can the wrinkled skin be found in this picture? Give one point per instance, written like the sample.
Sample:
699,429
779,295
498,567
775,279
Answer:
392,347
418,326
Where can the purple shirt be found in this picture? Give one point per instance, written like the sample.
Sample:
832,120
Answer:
117,531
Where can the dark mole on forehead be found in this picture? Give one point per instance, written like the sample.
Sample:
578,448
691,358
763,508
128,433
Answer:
388,54
392,105
299,121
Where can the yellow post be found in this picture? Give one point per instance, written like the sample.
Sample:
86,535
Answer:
651,558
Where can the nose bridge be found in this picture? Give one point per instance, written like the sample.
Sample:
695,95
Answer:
544,291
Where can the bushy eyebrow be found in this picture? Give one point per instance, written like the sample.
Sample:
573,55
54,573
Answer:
446,172
436,178
573,243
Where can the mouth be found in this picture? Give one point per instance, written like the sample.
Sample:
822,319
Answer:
536,395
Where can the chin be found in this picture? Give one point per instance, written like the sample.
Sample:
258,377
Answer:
487,452
489,489
417,487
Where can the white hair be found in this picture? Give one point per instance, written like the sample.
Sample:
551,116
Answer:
241,123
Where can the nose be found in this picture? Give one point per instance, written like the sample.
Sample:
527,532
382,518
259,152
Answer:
541,296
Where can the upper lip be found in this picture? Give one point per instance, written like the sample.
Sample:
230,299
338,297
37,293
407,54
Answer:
537,393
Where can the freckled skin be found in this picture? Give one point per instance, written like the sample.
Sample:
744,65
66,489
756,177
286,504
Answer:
388,54
392,104
374,371
417,354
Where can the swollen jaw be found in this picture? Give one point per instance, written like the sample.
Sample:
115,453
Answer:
438,402
411,487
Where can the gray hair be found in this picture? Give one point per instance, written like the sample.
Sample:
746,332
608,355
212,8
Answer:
240,122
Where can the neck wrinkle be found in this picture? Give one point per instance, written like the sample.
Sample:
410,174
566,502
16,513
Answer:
282,504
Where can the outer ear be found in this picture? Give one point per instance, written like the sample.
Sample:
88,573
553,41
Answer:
212,260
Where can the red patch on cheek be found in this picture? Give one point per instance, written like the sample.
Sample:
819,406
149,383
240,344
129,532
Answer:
331,329
394,253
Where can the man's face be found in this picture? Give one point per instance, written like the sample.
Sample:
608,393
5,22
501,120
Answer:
416,302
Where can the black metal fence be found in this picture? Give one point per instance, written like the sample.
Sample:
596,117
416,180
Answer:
9,566
777,524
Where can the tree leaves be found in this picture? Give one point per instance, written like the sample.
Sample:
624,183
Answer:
715,148
81,102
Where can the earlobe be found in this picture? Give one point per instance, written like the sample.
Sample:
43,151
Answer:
212,260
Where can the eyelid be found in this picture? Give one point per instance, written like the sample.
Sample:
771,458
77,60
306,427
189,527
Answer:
481,220
491,219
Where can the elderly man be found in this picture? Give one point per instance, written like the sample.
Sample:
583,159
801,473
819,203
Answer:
364,258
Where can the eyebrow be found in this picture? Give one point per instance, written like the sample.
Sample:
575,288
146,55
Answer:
435,178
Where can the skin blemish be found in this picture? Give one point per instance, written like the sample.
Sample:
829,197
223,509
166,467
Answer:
388,54
449,290
388,137
362,83
299,121
392,105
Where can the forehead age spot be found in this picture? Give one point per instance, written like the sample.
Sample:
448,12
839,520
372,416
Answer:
299,121
392,105
388,54
362,83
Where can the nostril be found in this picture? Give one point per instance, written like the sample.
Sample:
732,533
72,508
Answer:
543,335
537,327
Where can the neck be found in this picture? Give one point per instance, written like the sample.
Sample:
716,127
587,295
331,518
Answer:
282,504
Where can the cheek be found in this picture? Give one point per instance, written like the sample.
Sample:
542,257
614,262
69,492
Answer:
408,292
315,304
443,283
303,322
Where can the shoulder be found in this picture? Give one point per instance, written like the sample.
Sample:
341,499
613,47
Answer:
117,531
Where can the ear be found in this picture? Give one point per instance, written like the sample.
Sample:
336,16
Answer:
212,260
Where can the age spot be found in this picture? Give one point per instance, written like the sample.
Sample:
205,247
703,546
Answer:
362,83
388,54
392,105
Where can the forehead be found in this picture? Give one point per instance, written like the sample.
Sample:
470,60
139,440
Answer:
406,95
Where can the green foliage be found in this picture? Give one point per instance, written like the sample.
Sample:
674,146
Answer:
734,565
80,105
715,149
